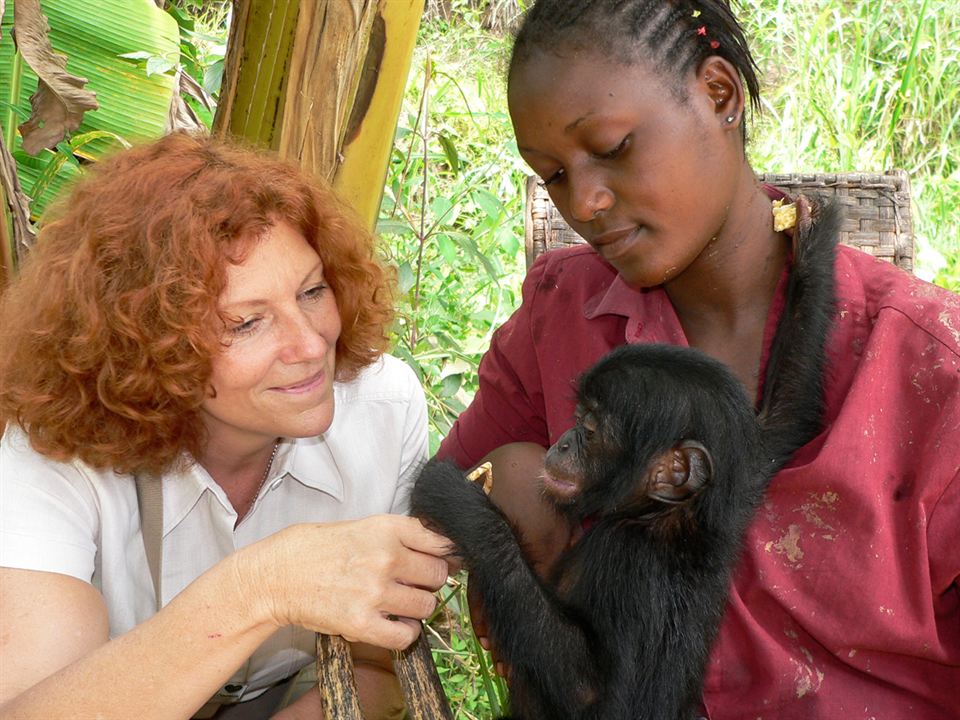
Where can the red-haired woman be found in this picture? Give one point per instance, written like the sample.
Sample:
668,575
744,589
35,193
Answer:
191,317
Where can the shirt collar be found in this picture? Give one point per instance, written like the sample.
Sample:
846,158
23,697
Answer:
309,461
649,313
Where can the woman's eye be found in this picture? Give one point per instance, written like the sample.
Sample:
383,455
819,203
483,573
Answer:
610,154
315,292
553,178
245,327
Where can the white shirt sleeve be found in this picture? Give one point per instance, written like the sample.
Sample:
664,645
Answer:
415,444
49,517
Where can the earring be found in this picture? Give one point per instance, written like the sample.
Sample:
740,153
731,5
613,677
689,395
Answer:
731,118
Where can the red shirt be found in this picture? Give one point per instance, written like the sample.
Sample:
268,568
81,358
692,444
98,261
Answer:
846,603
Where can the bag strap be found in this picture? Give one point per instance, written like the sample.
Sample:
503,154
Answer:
150,503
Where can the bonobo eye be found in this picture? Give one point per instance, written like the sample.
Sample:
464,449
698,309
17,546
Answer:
589,424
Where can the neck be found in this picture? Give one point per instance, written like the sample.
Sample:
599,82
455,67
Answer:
239,465
733,280
723,299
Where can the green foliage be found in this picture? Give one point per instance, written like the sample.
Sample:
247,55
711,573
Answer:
866,85
111,44
472,687
452,218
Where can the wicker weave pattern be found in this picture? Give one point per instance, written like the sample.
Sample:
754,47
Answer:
876,207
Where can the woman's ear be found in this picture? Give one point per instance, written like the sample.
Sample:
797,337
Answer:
720,82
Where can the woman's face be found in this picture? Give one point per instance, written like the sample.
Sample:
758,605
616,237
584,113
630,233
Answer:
645,179
275,374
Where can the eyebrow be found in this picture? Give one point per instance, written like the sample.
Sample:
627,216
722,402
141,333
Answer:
573,126
263,301
569,128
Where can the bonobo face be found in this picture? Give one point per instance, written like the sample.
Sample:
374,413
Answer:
569,460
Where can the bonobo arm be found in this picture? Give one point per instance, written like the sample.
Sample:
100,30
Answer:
544,642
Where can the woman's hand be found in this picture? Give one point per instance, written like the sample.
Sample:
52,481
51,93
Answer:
368,580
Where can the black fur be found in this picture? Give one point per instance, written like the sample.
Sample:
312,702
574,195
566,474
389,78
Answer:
623,627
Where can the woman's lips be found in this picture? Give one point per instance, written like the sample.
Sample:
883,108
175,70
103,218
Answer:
615,243
304,386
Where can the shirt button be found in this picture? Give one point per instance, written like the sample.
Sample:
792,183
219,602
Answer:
276,483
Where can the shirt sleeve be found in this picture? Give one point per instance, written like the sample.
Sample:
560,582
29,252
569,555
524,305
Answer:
508,406
414,443
48,512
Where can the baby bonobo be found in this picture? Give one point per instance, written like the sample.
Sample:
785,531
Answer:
665,478
663,470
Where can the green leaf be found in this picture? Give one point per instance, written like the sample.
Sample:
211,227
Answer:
447,248
441,207
159,65
488,202
450,384
450,150
393,227
405,277
95,35
139,55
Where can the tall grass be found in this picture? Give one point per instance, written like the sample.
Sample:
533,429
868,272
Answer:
868,85
865,85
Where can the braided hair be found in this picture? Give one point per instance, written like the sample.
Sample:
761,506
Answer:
674,35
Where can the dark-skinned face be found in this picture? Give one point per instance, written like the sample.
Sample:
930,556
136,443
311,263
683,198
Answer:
646,179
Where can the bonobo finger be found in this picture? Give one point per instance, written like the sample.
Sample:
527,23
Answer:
478,618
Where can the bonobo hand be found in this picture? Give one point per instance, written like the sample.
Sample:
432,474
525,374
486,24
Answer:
368,580
449,503
545,534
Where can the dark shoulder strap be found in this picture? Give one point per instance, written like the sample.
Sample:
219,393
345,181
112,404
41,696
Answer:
150,503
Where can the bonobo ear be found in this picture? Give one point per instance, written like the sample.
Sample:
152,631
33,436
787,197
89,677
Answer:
679,474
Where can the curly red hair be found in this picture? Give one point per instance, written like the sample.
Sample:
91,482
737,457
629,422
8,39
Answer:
107,337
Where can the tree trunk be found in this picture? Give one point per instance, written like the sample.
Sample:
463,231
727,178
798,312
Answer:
321,82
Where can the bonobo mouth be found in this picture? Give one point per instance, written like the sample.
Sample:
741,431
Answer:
560,488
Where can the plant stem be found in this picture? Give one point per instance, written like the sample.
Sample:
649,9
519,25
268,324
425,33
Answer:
422,235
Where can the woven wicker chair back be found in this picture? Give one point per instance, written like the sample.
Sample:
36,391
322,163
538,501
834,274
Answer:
876,209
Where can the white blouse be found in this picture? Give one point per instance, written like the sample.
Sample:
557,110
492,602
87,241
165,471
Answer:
69,518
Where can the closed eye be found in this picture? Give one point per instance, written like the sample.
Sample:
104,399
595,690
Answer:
314,292
244,327
611,154
553,178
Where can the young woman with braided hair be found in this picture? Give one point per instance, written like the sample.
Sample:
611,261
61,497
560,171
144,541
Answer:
846,600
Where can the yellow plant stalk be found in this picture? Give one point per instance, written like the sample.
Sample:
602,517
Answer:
322,84
369,138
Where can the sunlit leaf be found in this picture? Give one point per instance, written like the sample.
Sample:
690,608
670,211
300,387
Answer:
93,35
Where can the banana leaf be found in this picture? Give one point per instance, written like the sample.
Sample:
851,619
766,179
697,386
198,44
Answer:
134,101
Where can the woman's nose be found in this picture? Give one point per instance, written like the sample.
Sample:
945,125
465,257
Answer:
589,196
303,339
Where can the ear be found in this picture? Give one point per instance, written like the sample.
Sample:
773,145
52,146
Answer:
720,82
680,474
